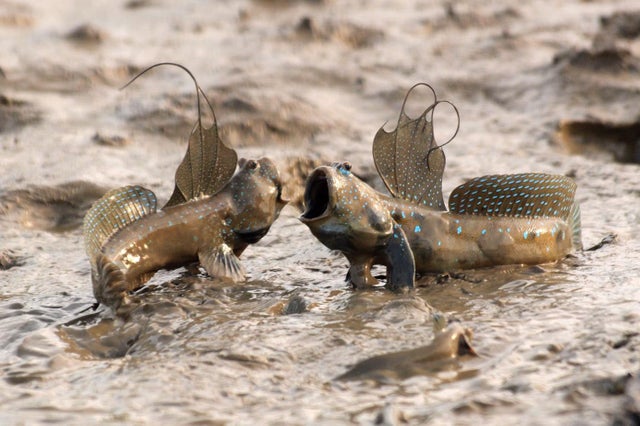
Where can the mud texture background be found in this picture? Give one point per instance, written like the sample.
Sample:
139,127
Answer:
547,87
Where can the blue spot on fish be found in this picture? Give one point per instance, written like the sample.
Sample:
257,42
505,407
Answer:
525,234
483,232
417,229
459,230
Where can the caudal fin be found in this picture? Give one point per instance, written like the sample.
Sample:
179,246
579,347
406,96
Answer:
576,226
110,286
115,210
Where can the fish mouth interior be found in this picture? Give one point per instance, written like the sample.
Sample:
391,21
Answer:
316,196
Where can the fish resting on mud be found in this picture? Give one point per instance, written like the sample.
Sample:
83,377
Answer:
449,345
211,218
526,218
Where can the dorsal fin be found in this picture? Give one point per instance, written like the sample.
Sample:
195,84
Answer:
409,160
206,168
115,210
208,164
518,195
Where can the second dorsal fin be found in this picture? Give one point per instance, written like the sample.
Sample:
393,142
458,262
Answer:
518,195
115,210
409,160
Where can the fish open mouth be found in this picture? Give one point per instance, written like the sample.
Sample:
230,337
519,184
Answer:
316,196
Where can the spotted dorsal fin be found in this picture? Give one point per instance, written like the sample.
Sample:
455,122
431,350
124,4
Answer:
518,195
208,164
115,210
409,160
206,168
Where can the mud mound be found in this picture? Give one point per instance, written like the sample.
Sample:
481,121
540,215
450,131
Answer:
599,93
51,208
8,260
621,24
347,33
609,60
246,117
457,16
592,137
87,33
15,113
60,79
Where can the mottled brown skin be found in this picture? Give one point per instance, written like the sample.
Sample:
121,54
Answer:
239,215
346,214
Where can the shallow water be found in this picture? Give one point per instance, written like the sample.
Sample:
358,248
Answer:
311,79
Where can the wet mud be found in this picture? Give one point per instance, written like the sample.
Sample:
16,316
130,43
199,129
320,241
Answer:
50,208
308,83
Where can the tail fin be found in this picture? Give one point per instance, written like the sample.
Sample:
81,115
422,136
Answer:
115,210
576,226
109,284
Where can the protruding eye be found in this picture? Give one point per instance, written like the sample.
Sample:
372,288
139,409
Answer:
344,168
252,164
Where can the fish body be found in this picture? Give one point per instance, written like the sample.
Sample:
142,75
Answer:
444,241
370,228
127,240
448,347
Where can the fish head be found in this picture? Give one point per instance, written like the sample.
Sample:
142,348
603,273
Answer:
343,212
256,192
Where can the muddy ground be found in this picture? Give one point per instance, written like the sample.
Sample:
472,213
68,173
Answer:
539,87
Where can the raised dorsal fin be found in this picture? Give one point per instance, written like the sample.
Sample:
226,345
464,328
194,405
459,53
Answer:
208,164
518,195
206,168
115,210
409,160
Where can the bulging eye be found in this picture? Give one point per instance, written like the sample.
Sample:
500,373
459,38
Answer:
251,165
344,168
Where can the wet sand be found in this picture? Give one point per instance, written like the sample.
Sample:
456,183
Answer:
304,82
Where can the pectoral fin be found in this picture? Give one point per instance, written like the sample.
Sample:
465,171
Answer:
401,268
220,262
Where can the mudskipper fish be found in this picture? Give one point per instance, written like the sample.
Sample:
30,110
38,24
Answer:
449,346
527,218
211,218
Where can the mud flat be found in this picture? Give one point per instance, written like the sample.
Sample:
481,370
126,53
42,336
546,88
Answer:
305,82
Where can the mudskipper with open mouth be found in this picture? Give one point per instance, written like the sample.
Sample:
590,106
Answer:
527,218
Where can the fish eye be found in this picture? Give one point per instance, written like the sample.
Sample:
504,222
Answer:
251,164
346,165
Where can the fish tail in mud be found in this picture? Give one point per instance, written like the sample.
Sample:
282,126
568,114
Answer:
109,284
115,210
